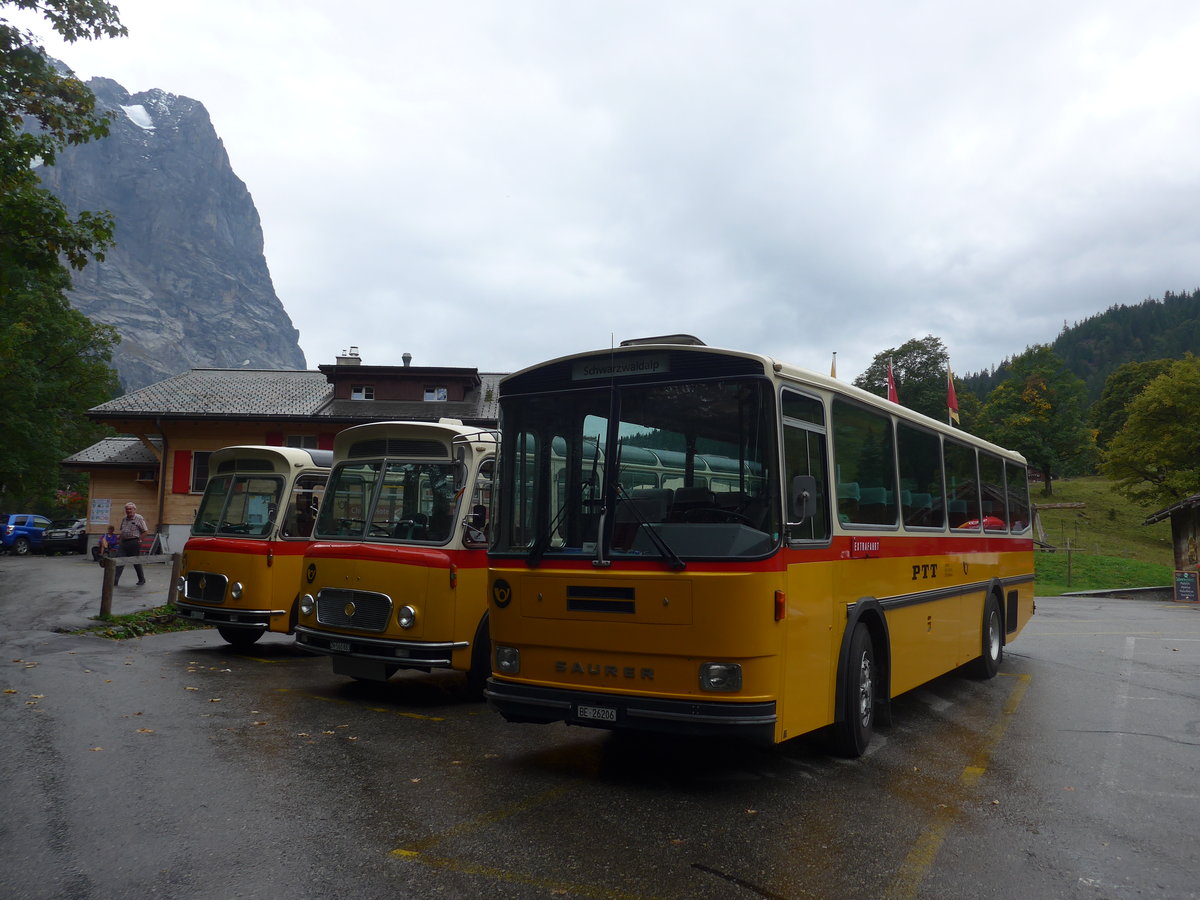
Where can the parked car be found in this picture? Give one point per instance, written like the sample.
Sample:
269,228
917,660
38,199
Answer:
21,533
65,536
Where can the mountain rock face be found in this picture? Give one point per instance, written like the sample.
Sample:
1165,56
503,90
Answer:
186,284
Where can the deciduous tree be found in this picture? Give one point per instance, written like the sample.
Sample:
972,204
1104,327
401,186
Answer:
54,362
1039,410
1154,457
919,368
1109,413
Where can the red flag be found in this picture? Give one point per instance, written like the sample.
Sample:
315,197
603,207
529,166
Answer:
892,385
951,396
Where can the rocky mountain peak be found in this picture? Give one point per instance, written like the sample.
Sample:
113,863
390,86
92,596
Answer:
187,284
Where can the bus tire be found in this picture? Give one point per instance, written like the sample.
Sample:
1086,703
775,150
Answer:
239,637
991,641
852,732
481,661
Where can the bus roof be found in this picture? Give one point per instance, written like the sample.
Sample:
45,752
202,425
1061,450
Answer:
281,458
781,371
445,432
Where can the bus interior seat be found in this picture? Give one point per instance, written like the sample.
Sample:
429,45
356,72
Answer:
875,507
652,503
918,509
689,499
848,494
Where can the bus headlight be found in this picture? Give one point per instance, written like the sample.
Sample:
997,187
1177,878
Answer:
181,585
307,605
508,660
721,677
406,617
236,591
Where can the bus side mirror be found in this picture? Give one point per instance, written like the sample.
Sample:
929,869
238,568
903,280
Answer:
803,500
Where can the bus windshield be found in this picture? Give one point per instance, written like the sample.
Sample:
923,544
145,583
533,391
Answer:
239,505
390,500
668,471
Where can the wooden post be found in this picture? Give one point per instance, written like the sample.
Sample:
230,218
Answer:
106,591
176,567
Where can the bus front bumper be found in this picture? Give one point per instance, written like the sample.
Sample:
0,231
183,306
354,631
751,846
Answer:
417,654
527,703
252,619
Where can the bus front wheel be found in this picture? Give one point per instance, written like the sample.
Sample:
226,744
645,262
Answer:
991,641
481,661
239,637
852,732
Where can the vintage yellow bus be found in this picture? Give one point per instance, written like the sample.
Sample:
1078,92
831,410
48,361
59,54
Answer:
700,541
241,564
396,576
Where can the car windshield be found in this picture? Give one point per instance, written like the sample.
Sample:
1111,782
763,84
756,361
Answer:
666,471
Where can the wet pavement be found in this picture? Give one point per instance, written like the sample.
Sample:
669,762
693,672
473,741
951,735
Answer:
172,766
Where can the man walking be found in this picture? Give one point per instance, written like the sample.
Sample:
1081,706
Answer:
132,528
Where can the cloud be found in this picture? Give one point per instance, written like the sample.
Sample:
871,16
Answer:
491,185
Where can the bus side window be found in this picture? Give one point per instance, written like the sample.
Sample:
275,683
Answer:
805,454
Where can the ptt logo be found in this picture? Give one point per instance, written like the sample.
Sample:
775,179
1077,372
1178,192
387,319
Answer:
501,593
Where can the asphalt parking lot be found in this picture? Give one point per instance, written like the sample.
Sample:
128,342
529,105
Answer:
171,766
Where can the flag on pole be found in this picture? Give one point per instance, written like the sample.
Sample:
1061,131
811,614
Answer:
951,396
892,385
833,366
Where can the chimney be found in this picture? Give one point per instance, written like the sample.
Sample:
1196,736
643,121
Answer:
407,357
349,359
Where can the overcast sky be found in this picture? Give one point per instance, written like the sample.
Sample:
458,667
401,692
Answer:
492,184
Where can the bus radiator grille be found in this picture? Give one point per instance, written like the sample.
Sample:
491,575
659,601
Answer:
205,587
361,610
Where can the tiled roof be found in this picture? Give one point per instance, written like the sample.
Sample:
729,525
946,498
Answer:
125,452
283,394
240,393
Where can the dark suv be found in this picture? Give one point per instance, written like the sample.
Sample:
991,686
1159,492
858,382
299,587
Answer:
21,533
65,536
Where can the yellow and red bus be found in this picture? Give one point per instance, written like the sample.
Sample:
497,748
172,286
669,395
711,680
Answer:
396,576
701,541
241,564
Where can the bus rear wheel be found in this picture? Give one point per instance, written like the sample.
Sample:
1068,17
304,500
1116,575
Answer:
991,641
852,732
239,637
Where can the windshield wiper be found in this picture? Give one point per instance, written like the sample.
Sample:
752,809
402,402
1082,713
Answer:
542,544
664,549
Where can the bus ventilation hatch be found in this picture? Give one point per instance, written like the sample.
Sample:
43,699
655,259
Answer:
584,598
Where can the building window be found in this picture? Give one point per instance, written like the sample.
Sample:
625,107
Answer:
362,392
301,441
436,394
199,470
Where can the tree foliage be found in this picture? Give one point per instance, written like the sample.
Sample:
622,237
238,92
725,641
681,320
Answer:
919,369
1109,413
1153,457
1094,348
1039,410
54,362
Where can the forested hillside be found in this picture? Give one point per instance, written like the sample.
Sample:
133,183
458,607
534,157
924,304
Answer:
1092,349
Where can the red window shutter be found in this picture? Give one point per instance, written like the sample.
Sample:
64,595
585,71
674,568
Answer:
181,476
325,442
274,438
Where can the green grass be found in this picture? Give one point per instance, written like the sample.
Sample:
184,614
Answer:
160,620
1110,547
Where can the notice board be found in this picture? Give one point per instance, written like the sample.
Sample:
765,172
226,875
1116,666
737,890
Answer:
1186,587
